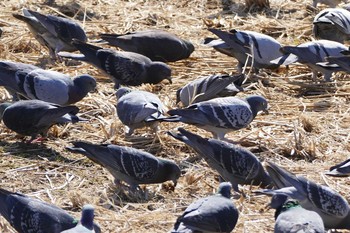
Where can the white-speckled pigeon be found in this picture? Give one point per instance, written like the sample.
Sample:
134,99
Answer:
130,165
330,205
311,53
157,45
214,213
222,115
261,47
233,163
342,169
125,68
137,109
332,24
86,223
33,82
28,215
209,87
56,33
34,117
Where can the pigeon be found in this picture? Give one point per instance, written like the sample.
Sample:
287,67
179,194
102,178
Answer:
124,68
260,47
311,53
32,82
209,87
342,169
28,215
86,223
137,109
291,217
330,205
332,24
34,117
222,115
215,213
56,33
157,45
233,163
130,165
219,45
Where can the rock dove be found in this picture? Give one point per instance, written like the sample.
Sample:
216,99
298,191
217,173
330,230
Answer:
56,33
342,169
220,46
311,53
291,217
332,24
215,213
157,45
137,109
330,205
28,215
209,87
125,68
233,163
130,165
222,115
33,117
86,223
261,47
33,82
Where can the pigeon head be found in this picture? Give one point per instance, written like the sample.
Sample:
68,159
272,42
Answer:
172,171
178,97
87,217
86,82
122,91
257,103
225,189
159,71
190,47
3,106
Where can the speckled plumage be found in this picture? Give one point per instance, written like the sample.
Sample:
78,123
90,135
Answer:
32,82
157,45
233,163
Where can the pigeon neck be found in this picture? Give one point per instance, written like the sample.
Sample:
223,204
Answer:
286,206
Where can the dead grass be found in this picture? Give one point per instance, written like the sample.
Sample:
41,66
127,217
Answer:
306,131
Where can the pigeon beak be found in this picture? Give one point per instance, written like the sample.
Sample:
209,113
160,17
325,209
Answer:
170,81
175,183
266,111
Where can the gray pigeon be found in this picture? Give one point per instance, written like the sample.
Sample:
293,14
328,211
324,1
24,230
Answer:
211,214
222,115
219,45
28,215
233,163
330,205
261,47
56,33
157,45
137,109
130,165
125,68
332,24
86,223
209,87
342,169
311,53
33,117
33,82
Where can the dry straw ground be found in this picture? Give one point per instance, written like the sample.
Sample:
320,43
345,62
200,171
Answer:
306,131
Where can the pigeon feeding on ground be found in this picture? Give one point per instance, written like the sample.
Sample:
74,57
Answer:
332,24
260,48
124,68
342,169
215,213
222,115
311,53
34,117
137,109
28,215
330,205
157,45
209,87
86,223
233,163
130,165
32,82
55,33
